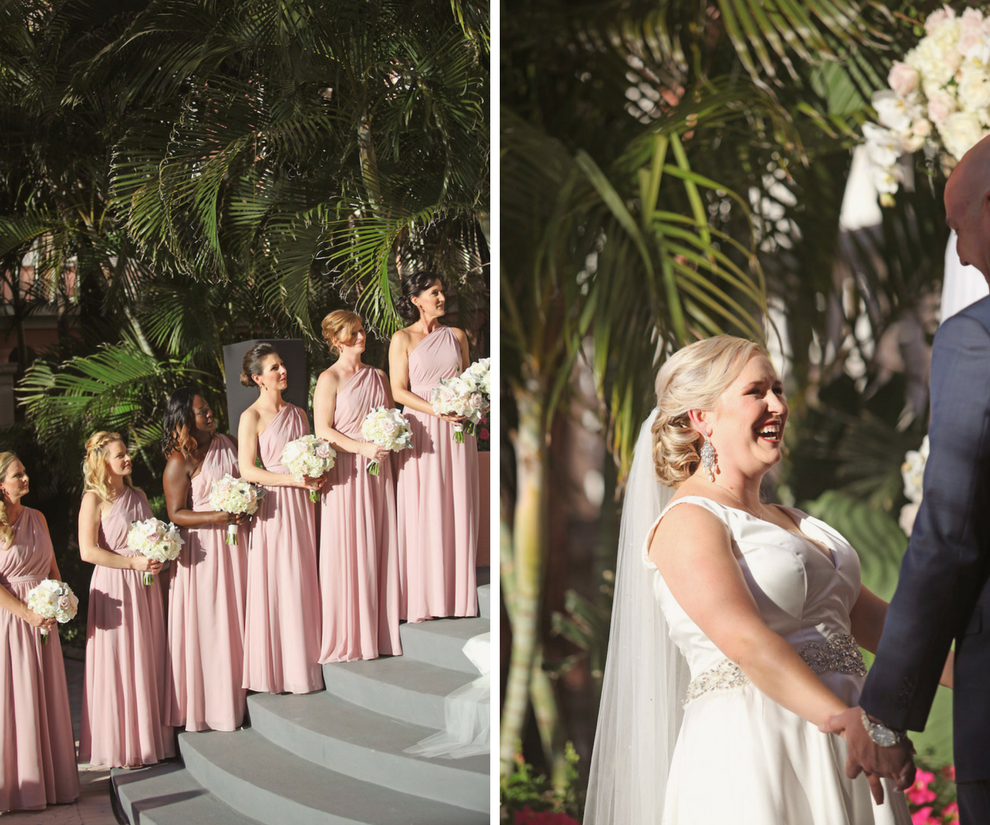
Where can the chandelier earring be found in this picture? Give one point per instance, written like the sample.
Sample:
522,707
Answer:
709,458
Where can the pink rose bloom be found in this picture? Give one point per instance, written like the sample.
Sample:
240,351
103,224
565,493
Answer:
64,603
388,426
903,79
940,106
971,30
323,451
919,793
938,17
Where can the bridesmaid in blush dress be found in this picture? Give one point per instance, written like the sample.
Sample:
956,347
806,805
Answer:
359,563
282,623
37,746
438,478
123,704
206,592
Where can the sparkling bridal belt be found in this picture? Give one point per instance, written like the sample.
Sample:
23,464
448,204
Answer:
839,653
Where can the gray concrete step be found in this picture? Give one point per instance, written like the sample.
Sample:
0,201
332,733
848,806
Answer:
264,782
397,686
485,600
166,794
441,642
351,740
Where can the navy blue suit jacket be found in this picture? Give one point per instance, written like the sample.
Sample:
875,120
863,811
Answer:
942,593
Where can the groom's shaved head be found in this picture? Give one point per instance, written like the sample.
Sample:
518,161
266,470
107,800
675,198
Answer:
967,206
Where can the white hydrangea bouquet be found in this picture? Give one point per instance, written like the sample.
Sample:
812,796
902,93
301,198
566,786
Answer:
157,540
939,95
386,427
235,495
309,456
52,599
913,473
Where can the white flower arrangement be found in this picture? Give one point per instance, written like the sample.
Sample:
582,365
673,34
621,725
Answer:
480,375
235,495
386,427
157,540
939,95
458,396
309,456
913,473
52,599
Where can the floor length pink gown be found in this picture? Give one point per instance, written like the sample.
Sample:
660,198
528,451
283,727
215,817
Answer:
206,611
437,497
37,746
359,560
282,623
123,706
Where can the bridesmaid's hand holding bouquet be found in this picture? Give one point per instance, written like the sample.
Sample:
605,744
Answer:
236,496
155,540
309,457
52,599
388,428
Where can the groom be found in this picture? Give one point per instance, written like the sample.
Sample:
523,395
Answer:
943,591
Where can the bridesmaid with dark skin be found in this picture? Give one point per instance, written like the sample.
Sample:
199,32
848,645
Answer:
206,592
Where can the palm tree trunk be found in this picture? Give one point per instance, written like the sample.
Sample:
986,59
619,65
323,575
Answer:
527,557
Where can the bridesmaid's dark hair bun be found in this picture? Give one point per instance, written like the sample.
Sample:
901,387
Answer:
412,286
252,362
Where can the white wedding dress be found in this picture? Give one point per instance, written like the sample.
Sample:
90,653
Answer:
739,756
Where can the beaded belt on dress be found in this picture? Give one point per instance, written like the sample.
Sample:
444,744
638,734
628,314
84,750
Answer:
838,653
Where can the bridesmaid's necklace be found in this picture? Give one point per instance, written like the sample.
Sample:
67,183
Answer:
743,503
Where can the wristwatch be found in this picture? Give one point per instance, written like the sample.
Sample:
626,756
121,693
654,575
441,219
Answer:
881,734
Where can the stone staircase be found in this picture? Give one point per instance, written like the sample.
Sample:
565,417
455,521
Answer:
334,757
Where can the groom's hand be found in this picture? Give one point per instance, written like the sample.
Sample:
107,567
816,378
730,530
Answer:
894,763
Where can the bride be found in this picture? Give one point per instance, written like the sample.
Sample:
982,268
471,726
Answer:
736,626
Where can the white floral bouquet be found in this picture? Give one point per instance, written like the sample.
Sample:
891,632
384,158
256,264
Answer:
480,375
386,427
235,495
913,473
458,396
52,599
939,94
309,456
156,540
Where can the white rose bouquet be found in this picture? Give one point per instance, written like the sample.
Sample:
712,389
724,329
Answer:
235,495
309,456
939,95
913,473
156,540
479,376
52,599
386,427
457,396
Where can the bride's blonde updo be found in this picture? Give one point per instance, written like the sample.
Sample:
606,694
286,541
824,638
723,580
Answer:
96,469
692,378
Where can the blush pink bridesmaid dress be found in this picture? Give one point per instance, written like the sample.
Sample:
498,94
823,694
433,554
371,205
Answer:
359,561
282,622
123,705
37,745
437,497
206,611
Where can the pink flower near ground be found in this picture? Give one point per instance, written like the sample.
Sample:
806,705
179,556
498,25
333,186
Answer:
483,432
530,817
919,793
950,813
949,772
923,816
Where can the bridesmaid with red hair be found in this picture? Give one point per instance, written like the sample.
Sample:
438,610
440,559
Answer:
359,563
